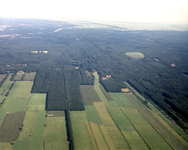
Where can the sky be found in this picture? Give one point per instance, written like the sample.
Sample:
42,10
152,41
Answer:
146,11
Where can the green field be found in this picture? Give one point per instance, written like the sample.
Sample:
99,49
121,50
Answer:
121,100
83,136
135,54
21,145
55,134
37,102
107,95
37,140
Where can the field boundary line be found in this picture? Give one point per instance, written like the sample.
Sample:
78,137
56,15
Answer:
136,129
118,128
156,129
92,133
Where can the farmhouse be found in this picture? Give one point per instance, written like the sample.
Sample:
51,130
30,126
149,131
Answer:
107,77
34,52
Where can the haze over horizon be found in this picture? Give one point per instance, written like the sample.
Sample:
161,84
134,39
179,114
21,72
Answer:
161,11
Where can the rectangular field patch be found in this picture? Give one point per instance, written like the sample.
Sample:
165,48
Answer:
162,130
9,129
30,76
89,94
101,143
112,129
83,136
107,95
37,102
55,133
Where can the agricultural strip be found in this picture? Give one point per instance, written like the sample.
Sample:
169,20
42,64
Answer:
28,125
9,129
92,114
101,143
30,76
132,137
37,102
146,131
112,129
36,140
134,100
121,100
107,95
18,77
6,146
21,145
164,132
2,76
6,85
89,94
83,136
97,88
55,134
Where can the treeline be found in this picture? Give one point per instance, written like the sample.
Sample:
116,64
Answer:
70,136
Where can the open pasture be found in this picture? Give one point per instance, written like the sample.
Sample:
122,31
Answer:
162,130
89,94
30,76
37,102
135,54
9,129
112,129
55,133
83,136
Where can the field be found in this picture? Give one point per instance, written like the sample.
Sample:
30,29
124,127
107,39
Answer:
29,76
18,77
81,128
9,129
2,76
55,133
135,54
110,121
89,94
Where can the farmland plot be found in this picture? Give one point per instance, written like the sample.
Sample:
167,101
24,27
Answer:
30,76
2,76
81,128
55,134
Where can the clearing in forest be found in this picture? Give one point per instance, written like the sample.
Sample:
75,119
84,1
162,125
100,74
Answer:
135,54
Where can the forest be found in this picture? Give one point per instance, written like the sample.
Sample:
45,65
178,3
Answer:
75,52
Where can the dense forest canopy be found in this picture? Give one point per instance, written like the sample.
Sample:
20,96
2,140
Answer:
75,50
